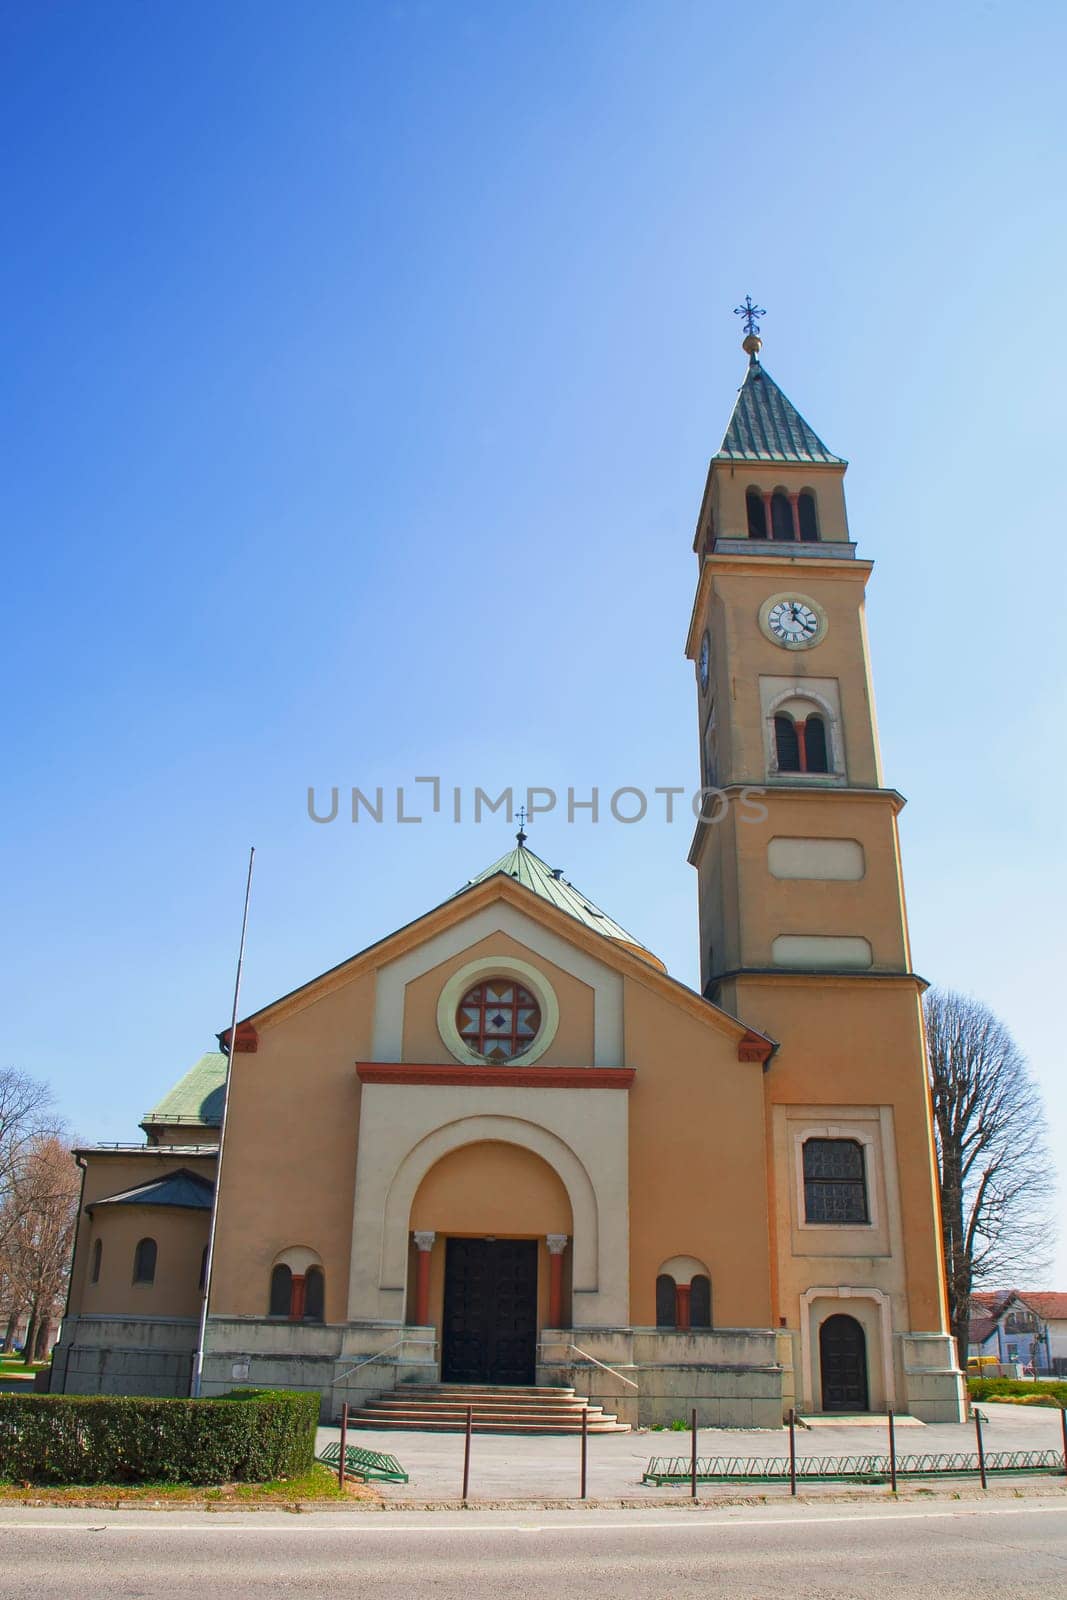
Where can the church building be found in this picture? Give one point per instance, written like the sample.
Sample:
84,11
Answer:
502,1148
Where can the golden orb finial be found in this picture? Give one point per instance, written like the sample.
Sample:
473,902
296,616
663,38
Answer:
752,344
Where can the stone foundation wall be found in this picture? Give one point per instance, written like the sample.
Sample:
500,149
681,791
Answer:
124,1355
734,1378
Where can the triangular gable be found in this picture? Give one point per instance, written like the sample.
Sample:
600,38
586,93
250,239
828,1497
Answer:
752,1046
183,1190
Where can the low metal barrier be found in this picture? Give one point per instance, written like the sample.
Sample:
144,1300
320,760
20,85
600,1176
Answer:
864,1469
364,1463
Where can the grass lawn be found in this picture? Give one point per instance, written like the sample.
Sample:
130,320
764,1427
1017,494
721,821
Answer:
14,1366
319,1484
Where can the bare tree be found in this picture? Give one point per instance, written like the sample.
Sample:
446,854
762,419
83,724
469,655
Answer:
996,1176
40,1240
25,1107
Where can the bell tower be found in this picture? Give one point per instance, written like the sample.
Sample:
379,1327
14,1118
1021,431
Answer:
803,929
803,877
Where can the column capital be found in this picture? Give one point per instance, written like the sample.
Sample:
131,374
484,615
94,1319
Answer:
424,1240
557,1243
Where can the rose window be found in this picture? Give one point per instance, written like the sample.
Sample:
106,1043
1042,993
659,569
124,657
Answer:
498,1019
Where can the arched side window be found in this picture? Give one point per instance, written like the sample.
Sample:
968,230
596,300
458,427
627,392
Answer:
98,1253
786,743
281,1291
801,744
314,1295
665,1301
700,1302
807,518
757,514
144,1261
782,516
835,1182
203,1268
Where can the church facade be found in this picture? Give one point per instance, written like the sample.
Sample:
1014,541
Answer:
503,1147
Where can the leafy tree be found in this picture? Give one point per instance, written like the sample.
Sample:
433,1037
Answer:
995,1173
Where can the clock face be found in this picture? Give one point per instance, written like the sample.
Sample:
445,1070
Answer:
705,659
793,623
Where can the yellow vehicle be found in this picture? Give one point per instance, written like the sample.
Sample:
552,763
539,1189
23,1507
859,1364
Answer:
977,1364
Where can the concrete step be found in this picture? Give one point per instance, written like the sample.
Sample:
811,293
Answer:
484,1413
393,1424
442,1408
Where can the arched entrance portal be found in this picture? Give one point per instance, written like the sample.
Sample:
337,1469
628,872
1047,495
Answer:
489,1224
843,1364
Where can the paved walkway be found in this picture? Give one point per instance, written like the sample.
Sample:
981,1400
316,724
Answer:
547,1468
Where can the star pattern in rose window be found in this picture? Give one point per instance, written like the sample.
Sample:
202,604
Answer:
498,1019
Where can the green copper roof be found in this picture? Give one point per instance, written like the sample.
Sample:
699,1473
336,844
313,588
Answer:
550,884
195,1098
184,1189
766,426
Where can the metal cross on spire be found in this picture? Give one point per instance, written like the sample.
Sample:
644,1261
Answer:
751,313
521,835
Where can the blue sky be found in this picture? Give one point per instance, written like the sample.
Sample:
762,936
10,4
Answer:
363,364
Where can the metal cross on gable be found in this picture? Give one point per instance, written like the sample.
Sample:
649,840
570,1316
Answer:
751,313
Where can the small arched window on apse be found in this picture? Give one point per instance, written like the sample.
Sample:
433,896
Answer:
757,514
782,516
801,744
98,1253
807,518
314,1295
144,1261
665,1301
281,1290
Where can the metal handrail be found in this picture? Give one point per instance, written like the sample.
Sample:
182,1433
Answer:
587,1357
366,1361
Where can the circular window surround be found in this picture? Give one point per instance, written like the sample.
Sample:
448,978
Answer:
493,967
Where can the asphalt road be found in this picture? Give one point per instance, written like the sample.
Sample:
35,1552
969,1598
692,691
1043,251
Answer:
1007,1551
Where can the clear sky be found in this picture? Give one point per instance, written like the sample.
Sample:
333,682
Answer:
361,368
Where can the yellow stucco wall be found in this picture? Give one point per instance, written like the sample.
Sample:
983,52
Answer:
289,1164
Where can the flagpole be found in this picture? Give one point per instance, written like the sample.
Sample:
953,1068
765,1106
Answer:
198,1353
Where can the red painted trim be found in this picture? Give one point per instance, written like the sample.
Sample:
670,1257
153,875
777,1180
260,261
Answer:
753,1048
247,1039
555,1291
496,1077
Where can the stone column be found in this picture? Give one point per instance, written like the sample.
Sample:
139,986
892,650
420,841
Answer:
557,1243
681,1305
424,1245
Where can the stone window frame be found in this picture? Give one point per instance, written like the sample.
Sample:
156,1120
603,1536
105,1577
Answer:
871,1170
501,967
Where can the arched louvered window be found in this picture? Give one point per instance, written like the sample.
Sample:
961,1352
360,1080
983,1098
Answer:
786,743
816,752
665,1301
700,1302
281,1291
809,525
757,514
98,1253
314,1295
781,516
144,1261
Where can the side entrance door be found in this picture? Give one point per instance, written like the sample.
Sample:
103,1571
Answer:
843,1364
490,1314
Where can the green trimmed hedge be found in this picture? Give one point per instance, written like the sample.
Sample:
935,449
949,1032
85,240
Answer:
1034,1392
248,1436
